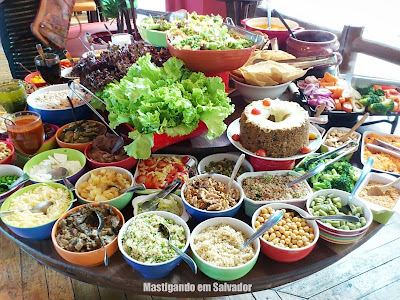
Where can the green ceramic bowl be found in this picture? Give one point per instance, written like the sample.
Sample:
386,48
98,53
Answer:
224,273
154,37
119,202
72,154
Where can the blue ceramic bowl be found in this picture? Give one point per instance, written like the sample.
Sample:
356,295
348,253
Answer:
156,270
199,214
39,232
72,154
58,117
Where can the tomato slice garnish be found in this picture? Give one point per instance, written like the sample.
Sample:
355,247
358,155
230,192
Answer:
266,102
256,111
236,137
305,150
261,152
185,159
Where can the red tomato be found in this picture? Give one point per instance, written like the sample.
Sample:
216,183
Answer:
162,164
148,162
236,137
65,64
255,111
305,150
266,102
141,179
261,152
179,168
149,182
185,159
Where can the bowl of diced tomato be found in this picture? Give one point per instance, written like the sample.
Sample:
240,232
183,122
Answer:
159,170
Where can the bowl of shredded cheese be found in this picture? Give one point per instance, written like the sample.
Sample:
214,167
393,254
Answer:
36,225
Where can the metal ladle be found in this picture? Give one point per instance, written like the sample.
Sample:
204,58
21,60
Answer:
166,233
97,231
40,207
71,84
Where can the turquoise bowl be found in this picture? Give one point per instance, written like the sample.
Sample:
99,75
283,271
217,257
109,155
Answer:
154,37
224,273
41,232
119,202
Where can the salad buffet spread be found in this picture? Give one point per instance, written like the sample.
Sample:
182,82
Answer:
152,92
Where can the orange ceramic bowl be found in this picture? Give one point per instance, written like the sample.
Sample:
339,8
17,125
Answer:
77,146
212,61
91,258
9,159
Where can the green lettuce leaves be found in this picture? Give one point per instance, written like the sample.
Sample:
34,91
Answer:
168,99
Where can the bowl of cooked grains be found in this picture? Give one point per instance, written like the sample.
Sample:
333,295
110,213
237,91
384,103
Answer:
206,196
216,248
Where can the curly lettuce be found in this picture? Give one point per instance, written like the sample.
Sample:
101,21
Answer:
168,99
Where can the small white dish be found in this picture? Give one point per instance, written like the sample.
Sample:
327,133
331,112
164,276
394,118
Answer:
143,198
220,156
326,148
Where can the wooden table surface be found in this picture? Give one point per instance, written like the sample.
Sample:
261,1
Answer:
267,273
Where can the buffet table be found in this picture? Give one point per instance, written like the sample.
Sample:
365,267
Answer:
267,273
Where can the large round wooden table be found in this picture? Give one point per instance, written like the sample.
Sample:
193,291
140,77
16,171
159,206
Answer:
267,273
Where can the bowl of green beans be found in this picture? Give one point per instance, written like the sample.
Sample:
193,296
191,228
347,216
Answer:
335,202
8,174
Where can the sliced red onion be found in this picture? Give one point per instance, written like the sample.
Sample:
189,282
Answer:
310,89
322,92
312,80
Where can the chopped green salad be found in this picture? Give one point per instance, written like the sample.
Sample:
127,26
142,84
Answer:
202,32
143,240
154,23
168,99
340,175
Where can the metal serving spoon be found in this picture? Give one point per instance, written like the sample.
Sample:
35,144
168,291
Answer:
136,187
172,187
165,232
40,207
330,217
272,221
98,230
24,178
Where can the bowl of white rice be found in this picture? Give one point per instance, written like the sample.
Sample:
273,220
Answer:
215,245
36,225
52,104
145,248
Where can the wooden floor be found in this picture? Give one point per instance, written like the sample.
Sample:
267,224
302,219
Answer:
370,272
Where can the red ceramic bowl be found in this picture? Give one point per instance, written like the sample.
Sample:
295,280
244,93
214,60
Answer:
281,34
127,163
9,159
90,258
212,61
28,79
285,254
260,164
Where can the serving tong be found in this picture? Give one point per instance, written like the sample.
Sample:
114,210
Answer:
172,187
319,168
307,62
71,85
383,147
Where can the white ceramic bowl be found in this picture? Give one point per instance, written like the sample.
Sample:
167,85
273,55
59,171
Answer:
380,213
250,205
144,198
225,273
10,170
252,92
326,148
220,156
341,236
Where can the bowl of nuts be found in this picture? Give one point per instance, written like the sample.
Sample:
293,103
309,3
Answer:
331,139
6,153
292,239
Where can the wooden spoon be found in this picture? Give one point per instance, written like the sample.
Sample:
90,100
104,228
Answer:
381,190
320,110
234,172
354,128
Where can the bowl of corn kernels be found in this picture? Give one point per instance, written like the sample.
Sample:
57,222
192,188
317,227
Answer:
292,238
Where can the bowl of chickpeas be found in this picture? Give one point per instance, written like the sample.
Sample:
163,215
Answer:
292,238
105,185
